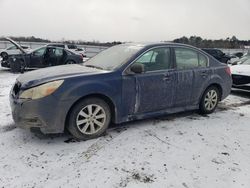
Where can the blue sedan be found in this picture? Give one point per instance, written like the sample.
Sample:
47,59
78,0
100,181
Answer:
123,83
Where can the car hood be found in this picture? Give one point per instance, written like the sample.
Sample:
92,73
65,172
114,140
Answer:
241,70
15,44
37,77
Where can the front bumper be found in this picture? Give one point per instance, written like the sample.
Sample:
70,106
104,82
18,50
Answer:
48,113
240,79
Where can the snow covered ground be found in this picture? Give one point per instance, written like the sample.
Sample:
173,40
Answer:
183,150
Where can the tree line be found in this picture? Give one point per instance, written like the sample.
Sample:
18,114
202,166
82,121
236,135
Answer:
197,41
78,42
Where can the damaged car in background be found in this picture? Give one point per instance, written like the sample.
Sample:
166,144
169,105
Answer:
123,83
241,74
218,54
39,58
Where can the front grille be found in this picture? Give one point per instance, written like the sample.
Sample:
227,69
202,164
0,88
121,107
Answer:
16,88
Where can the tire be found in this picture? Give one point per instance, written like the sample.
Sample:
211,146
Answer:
89,119
22,67
4,55
209,100
17,66
70,62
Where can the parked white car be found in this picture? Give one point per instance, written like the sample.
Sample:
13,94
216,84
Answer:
13,50
241,74
235,60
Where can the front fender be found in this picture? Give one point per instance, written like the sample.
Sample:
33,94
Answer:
74,90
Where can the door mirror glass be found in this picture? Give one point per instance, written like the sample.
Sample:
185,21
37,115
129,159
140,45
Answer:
137,68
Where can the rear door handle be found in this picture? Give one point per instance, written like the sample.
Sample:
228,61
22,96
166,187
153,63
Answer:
166,77
204,73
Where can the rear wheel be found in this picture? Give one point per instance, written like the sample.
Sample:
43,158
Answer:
209,100
89,119
70,62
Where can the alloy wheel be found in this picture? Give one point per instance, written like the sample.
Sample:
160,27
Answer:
91,119
211,99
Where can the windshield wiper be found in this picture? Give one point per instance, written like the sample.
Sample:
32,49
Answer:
92,66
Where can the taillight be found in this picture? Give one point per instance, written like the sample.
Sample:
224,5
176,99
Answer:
228,71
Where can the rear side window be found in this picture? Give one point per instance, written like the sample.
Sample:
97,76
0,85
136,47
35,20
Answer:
58,52
203,61
189,59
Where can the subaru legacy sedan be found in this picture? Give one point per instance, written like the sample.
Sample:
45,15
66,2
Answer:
123,83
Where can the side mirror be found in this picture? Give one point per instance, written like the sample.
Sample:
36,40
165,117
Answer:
137,68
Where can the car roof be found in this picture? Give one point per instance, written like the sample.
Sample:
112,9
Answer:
156,44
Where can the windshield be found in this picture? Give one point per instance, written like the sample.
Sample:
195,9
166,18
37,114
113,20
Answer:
246,61
113,57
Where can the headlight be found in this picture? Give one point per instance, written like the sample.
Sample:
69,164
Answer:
41,91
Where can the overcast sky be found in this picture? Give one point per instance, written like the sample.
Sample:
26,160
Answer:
125,20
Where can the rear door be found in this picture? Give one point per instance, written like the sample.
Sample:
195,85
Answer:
185,60
59,56
192,72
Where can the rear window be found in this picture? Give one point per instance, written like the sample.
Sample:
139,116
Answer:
71,46
57,45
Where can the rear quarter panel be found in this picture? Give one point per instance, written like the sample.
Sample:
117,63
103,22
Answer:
221,77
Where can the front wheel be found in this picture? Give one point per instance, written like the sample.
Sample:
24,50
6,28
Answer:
89,119
209,100
4,55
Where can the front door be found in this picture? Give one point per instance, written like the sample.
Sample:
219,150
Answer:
153,89
37,58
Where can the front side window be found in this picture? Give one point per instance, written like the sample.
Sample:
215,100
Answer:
156,59
188,59
40,51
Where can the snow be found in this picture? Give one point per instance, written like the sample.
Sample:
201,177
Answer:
183,150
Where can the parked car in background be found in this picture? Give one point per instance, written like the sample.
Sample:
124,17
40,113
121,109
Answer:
238,54
71,47
237,58
12,50
42,57
123,83
217,54
241,74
